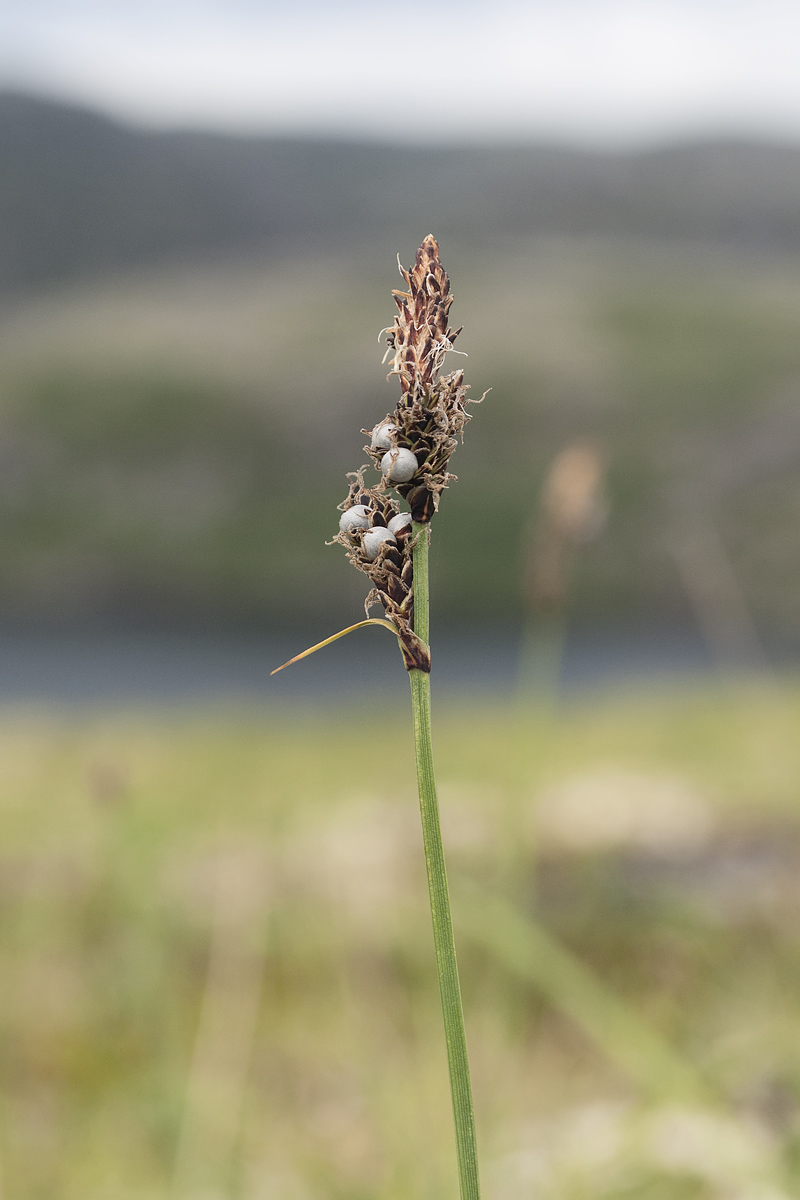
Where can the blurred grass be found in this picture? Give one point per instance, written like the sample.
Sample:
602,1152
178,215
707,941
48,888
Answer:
217,965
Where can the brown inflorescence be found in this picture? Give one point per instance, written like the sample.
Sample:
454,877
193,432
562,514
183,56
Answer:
391,571
429,417
431,413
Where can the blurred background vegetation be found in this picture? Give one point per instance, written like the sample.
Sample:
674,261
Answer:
216,959
188,349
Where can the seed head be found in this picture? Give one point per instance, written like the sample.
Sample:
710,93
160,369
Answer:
411,448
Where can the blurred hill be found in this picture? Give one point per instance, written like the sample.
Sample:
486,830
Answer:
80,194
188,351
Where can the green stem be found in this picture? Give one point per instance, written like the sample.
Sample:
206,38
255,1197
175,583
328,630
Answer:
449,988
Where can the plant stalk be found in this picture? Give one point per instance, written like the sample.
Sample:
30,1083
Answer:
447,966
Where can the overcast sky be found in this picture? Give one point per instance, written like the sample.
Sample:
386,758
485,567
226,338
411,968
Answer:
586,70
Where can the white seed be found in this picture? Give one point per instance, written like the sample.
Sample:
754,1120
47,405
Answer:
374,539
383,435
354,518
399,464
401,521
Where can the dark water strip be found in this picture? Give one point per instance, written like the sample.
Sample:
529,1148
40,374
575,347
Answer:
115,668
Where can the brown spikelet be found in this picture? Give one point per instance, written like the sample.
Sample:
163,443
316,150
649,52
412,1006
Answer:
421,333
429,418
571,513
431,413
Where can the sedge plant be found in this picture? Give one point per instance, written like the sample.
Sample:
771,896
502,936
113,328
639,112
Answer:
411,449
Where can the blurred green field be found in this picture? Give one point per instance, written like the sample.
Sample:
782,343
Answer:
217,965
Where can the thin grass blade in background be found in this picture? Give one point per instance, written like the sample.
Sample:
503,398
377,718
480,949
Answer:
525,948
223,1047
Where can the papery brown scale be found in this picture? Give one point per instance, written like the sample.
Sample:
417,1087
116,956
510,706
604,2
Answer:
396,590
